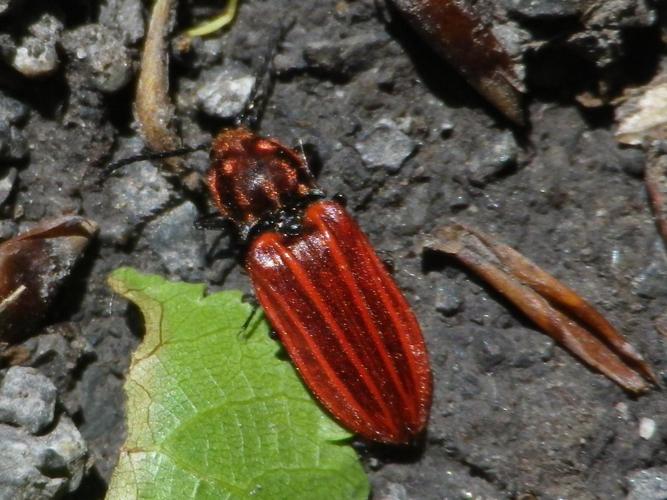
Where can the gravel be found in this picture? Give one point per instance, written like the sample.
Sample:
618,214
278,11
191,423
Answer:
385,146
43,454
648,484
224,93
412,146
36,55
27,399
102,54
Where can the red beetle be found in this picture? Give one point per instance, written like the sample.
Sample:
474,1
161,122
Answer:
343,321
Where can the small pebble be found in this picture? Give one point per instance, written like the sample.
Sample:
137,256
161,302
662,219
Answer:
646,428
12,111
41,467
446,129
27,399
493,159
8,229
13,146
106,64
37,56
224,93
180,244
623,411
393,491
448,302
126,16
537,9
385,146
652,280
7,181
647,484
139,193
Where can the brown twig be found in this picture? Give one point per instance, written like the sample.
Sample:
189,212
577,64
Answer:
655,180
552,306
152,106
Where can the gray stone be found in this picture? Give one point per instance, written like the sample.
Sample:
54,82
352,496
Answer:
104,59
291,57
601,48
5,5
180,245
13,146
12,111
37,55
385,146
27,399
131,196
448,301
225,92
621,14
393,491
633,161
41,467
126,16
648,484
493,159
544,8
20,477
204,52
7,181
8,229
141,192
60,351
652,281
64,450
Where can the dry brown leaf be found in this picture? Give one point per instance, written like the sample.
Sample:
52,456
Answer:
552,306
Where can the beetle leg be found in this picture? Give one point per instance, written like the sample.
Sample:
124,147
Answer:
251,322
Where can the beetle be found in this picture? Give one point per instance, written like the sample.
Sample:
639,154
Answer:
344,323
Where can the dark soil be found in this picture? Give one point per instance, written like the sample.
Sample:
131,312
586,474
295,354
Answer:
513,414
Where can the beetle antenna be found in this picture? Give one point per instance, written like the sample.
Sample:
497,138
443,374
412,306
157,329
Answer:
110,168
252,114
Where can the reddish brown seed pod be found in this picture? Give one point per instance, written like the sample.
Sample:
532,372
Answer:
456,32
33,266
339,314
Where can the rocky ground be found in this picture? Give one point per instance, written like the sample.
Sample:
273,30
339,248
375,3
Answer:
413,147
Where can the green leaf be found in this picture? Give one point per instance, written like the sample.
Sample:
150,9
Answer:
212,412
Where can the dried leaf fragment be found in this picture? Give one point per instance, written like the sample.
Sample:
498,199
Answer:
153,108
457,33
33,266
552,306
642,121
643,115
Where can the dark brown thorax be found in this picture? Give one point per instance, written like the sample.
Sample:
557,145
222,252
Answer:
252,177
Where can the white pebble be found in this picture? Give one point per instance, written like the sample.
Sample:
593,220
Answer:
646,428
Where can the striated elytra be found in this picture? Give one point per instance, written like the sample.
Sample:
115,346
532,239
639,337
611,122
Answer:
339,314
